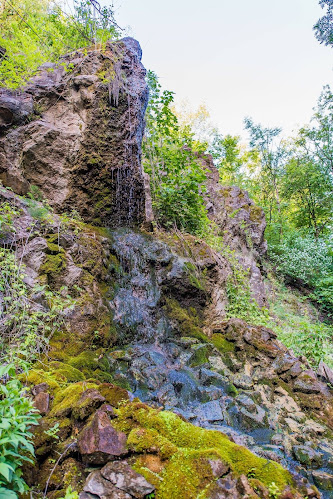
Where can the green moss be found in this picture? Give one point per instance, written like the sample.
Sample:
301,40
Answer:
142,440
232,390
189,323
200,355
69,396
87,360
113,394
223,345
187,473
53,264
37,376
65,371
256,213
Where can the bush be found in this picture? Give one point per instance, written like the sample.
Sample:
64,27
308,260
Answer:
17,415
309,260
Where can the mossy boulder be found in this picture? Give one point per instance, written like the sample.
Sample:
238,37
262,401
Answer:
186,451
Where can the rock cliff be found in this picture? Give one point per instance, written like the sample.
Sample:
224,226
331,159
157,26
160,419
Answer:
75,132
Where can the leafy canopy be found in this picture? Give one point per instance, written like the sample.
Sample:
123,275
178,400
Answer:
36,31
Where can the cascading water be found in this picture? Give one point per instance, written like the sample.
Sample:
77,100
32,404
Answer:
159,366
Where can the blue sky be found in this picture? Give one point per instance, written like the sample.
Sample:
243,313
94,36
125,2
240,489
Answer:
248,57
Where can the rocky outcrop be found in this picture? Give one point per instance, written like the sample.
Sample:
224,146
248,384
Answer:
78,132
240,222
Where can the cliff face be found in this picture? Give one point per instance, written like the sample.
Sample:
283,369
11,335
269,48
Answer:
148,329
75,132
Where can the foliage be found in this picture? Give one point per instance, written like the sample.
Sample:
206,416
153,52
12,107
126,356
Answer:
170,158
38,31
296,322
17,415
70,494
24,324
324,26
240,302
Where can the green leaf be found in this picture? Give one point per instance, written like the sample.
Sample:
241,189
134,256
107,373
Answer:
6,470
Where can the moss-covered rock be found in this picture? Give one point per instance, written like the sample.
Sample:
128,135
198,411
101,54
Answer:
187,449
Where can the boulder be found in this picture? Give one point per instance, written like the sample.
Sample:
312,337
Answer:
126,479
99,442
97,486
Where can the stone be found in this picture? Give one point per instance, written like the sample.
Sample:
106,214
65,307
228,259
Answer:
89,401
242,381
210,411
325,372
307,383
104,489
323,480
308,456
245,488
126,479
15,108
219,468
85,80
42,387
87,495
57,150
224,488
99,442
42,402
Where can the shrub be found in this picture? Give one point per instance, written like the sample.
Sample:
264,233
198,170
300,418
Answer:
17,415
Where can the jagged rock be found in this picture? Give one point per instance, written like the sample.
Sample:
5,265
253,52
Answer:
308,456
104,489
15,108
241,222
102,101
99,441
219,468
307,382
325,372
323,480
89,401
125,478
210,411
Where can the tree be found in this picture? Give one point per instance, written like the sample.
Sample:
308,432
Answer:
35,31
317,137
170,158
324,26
308,189
272,154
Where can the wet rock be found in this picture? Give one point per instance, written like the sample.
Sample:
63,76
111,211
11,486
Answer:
104,489
308,456
126,479
99,441
15,108
210,411
323,480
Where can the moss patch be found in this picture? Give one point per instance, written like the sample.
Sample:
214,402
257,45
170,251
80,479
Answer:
188,320
188,447
223,345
